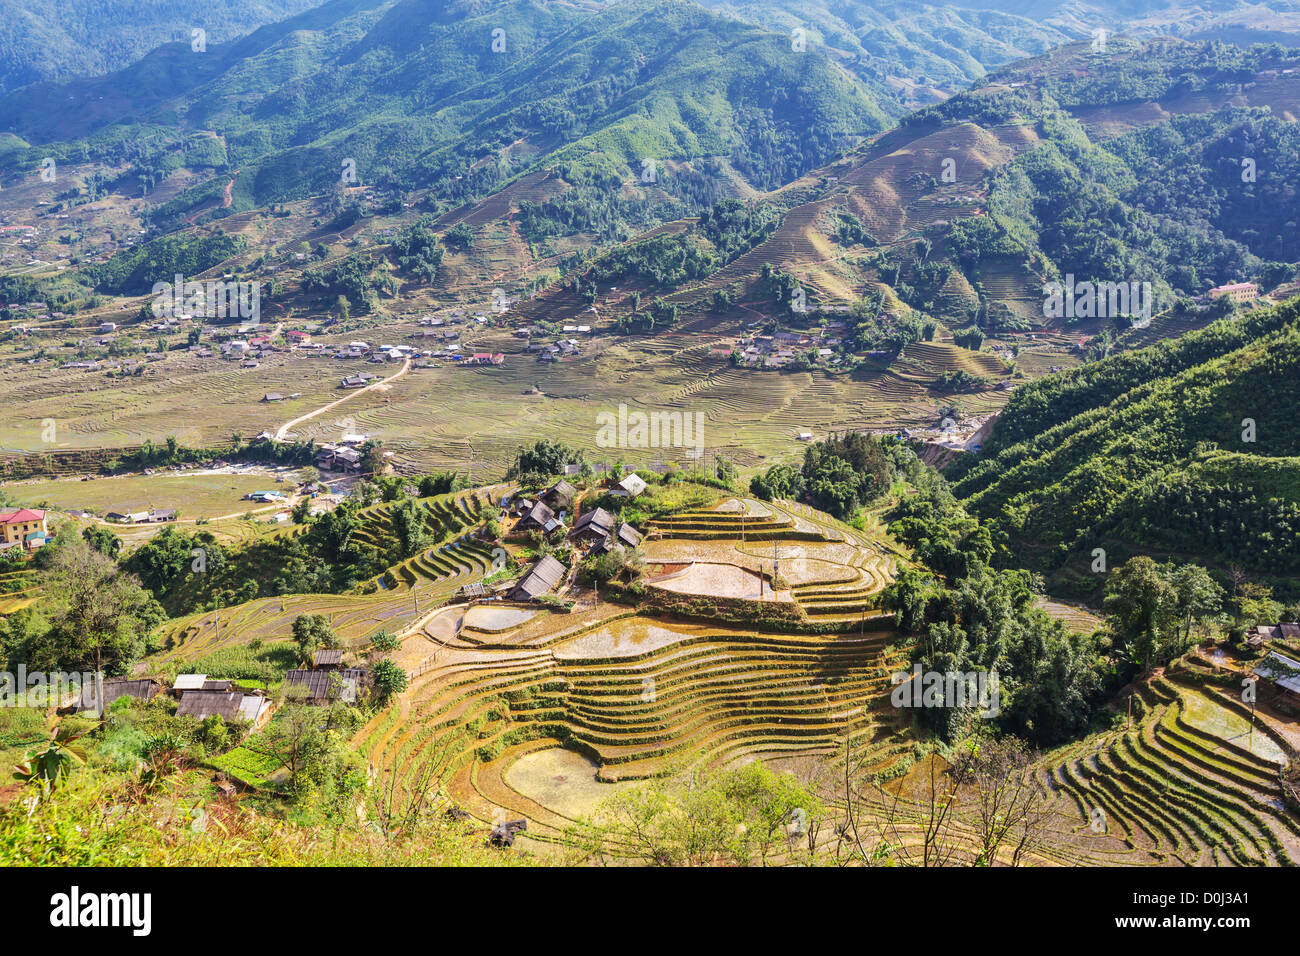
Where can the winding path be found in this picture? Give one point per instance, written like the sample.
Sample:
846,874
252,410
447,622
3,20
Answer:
284,429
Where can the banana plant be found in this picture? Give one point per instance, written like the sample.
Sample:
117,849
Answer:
52,766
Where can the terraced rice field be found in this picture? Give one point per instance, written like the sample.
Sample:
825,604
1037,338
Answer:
18,589
1174,788
535,715
636,694
402,595
834,572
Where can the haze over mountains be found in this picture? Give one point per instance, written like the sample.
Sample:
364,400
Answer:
959,338
56,40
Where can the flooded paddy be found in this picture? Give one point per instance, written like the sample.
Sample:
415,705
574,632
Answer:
484,617
442,627
628,637
1205,714
720,580
753,509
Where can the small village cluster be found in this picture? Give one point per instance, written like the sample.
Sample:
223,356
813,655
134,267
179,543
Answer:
325,682
596,531
783,348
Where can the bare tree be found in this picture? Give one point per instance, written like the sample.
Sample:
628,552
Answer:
1011,807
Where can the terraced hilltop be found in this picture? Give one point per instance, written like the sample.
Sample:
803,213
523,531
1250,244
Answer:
636,691
522,712
392,601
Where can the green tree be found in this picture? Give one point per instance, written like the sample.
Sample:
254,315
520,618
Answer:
1143,609
98,612
313,631
1198,598
388,679
103,540
384,642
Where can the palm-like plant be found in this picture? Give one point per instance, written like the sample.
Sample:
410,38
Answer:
52,766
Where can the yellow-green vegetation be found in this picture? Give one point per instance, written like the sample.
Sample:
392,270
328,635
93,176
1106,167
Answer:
193,495
392,601
104,819
1174,784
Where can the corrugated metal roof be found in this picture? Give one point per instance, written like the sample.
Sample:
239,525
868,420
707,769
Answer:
543,577
1282,671
203,704
328,685
327,658
599,522
114,688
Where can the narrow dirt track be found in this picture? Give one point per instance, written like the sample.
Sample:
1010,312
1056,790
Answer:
284,429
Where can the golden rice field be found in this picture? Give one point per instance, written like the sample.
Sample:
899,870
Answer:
543,715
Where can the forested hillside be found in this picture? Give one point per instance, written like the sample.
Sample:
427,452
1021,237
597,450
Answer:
58,40
1187,448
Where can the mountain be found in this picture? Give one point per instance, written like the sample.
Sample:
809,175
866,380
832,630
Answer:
1188,448
910,54
429,98
59,40
914,53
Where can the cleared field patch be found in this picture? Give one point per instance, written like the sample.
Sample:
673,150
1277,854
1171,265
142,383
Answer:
193,494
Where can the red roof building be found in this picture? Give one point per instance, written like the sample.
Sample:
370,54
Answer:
26,527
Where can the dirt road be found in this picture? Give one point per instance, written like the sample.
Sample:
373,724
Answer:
284,429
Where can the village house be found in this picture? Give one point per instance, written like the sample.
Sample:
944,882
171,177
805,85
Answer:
630,486
1262,634
593,527
1283,675
230,705
147,516
560,495
1236,291
26,528
264,497
113,688
187,682
624,535
327,659
322,687
541,579
541,517
347,459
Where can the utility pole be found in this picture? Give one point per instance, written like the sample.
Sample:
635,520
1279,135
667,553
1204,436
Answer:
1250,741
